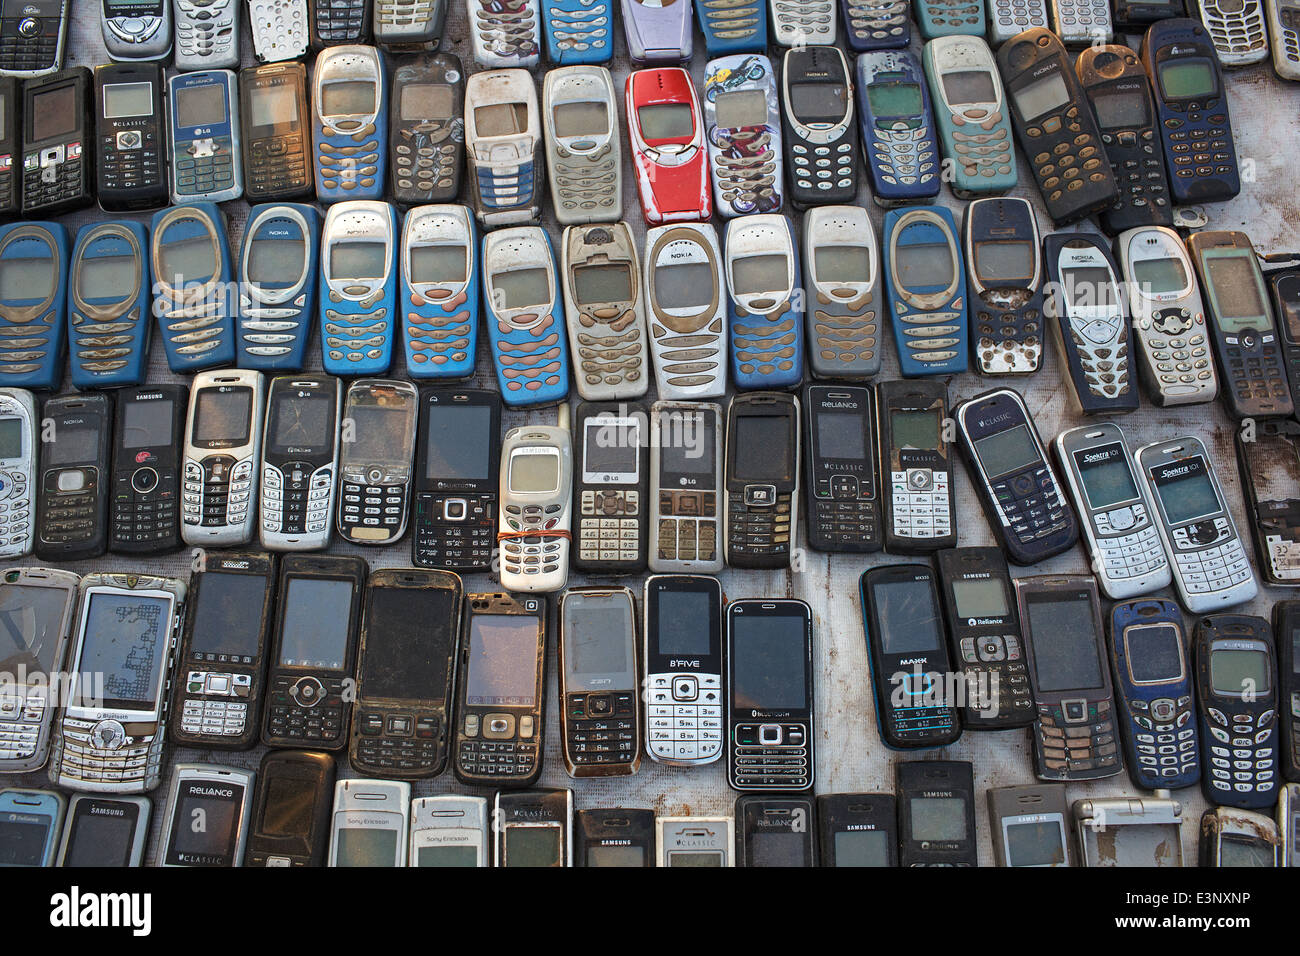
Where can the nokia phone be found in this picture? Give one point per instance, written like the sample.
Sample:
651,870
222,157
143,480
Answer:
278,276
503,147
20,431
925,286
842,292
1269,468
72,485
899,142
583,157
742,126
189,259
1005,281
439,300
665,130
686,311
110,299
971,113
349,104
817,123
764,287
426,131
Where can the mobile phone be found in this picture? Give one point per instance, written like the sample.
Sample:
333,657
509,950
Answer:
762,479
501,686
33,303
603,294
1005,279
289,825
875,25
728,28
615,837
685,311
985,638
11,143
1269,467
936,813
204,136
925,286
110,294
109,735
695,841
310,681
686,441
742,126
1239,838
842,295
58,155
223,442
1192,111
1284,38
135,30
533,828
583,156
335,22
1242,325
1065,646
665,130
907,649
1168,316
19,438
449,830
71,491
457,475
920,510
1119,529
104,831
817,123
299,466
148,432
130,165
857,829
408,24
426,128
611,487
536,506
439,266
1080,23
378,446
1286,628
189,260
280,31
506,33
1288,822
274,138
843,491
410,636
30,822
36,606
1239,34
1129,830
278,274
1207,558
503,147
1022,498
206,38
1030,825
764,287
663,34
349,103
1119,95
683,665
599,679
1139,14
899,141
967,93
207,816
578,31
775,831
1284,294
369,825
1010,17
358,279
940,18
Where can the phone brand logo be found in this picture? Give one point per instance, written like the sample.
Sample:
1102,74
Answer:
982,621
142,456
1098,456
1175,472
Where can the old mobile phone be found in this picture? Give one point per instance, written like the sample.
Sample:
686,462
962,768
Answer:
457,474
764,287
1168,316
335,22
604,297
58,151
289,824
280,31
1005,273
135,30
299,466
920,509
369,823
1239,838
739,27
907,648
223,441
686,311
35,37
583,156
985,638
1022,498
897,124
278,274
439,299
72,487
109,735
1129,830
30,822
536,506
1081,23
130,162
503,147
350,120
615,837
1065,646
1284,37
110,319
104,831
925,285
11,143
426,128
505,33
274,136
1007,18
310,682
1242,325
686,440
770,696
501,686
1239,33
762,479
207,35
1288,822
1286,627
967,94
875,25
775,831
842,294
1153,686
665,130
843,490
1089,322
578,31
1284,293
940,18
33,303
1119,529
533,828
1192,110
817,123
36,606
189,260
378,446
208,810
742,126
1269,466
1030,825
147,439
410,636
1207,557
19,440
611,487
204,136
1237,701
802,23
857,829
409,24
936,813
599,679
683,666
449,830
695,841
662,33
358,287
1137,15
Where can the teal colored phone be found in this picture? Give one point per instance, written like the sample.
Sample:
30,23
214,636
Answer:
970,112
943,18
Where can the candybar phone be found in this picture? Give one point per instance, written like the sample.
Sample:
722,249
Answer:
875,24
280,31
970,112
1286,634
842,292
686,311
299,467
208,810
1284,38
665,129
378,446
359,287
615,837
686,441
189,260
683,666
1269,468
1284,292
925,286
58,151
426,128
130,132
289,825
599,709
583,156
1009,17
611,487
695,841
136,30
19,440
1129,831
349,122
1239,838
11,143
503,147
900,145
534,519
223,441
1238,33
204,136
857,829
335,22
1005,282
449,830
843,490
439,264
149,430
775,831
936,813
72,485
762,479
1030,825
278,274
276,138
207,36
33,303
505,34
764,293
533,828
817,122
920,508
369,825
104,831
30,821
110,292
408,24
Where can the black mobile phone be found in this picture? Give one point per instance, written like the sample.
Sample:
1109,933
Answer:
843,493
936,813
762,479
857,829
11,142
147,438
1030,825
34,36
339,21
775,831
1268,462
611,487
300,456
1284,291
426,128
130,137
916,462
1286,633
614,837
294,794
105,830
276,132
71,491
310,684
818,128
58,155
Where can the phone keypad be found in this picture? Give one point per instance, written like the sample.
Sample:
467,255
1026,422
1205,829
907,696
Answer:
747,172
1236,27
600,729
684,717
1009,340
759,527
1198,145
279,30
426,160
687,358
1205,566
732,20
609,524
277,166
305,709
297,500
1129,543
15,513
217,492
586,183
611,357
131,158
534,553
348,159
1164,738
508,30
340,21
922,504
919,721
70,513
1075,739
24,50
26,352
356,336
214,718
397,740
1242,752
954,16
54,179
206,29
843,514
772,756
688,526
104,347
457,533
827,167
501,189
498,745
877,23
145,508
1031,504
1256,376
378,509
1177,351
98,755
1009,17
587,26
1071,163
1081,21
903,154
1139,170
1102,349
997,660
20,726
439,338
804,23
931,337
204,166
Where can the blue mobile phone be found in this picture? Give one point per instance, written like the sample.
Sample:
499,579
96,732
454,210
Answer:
110,290
763,274
278,269
925,282
898,133
33,303
189,256
358,287
578,31
30,823
350,123
440,292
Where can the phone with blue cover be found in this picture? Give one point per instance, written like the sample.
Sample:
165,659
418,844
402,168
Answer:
732,26
350,114
764,286
440,296
110,293
278,272
970,111
897,124
578,31
358,287
189,256
33,304
925,283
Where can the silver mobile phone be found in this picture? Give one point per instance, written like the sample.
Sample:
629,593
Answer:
370,823
449,830
223,444
208,811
